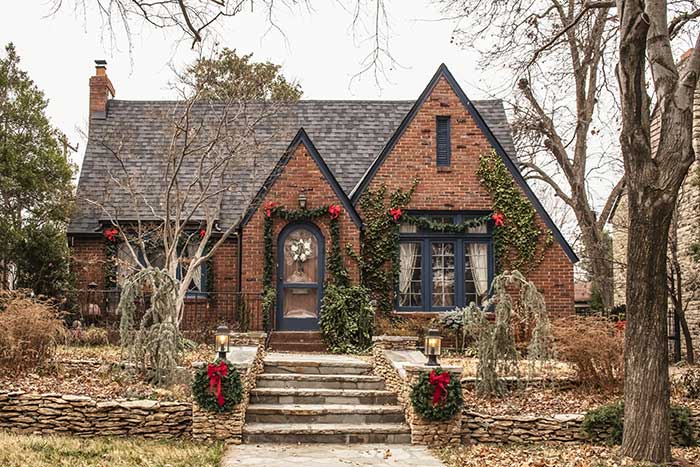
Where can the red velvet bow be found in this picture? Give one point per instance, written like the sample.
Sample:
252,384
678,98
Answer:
202,233
439,382
112,234
396,213
334,211
499,219
216,373
269,207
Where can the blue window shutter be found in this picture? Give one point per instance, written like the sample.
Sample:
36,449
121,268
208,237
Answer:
444,151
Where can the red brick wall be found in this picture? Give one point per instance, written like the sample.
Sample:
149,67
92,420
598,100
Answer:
301,174
458,187
89,261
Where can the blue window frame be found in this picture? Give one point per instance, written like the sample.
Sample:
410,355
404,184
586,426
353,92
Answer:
442,271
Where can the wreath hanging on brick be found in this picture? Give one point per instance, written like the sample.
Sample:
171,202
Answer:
436,396
217,386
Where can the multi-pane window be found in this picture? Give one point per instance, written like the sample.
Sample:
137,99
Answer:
441,271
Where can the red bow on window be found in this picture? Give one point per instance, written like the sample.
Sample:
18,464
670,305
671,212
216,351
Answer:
499,219
216,373
396,213
202,233
334,211
439,382
112,234
269,207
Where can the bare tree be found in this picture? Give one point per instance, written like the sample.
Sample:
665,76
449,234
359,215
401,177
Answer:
654,176
561,53
172,220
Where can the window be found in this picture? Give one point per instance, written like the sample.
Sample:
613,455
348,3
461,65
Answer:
440,271
444,151
198,284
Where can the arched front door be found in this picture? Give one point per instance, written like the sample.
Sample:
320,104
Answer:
299,277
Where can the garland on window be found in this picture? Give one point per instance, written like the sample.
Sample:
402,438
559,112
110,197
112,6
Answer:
335,260
426,223
520,243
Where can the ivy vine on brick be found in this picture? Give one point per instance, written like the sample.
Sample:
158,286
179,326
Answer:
520,242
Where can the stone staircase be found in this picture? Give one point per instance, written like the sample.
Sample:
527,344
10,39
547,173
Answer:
297,341
316,398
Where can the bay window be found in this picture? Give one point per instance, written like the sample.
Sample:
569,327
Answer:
441,271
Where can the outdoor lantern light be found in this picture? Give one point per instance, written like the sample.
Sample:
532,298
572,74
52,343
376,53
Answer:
302,200
222,341
433,345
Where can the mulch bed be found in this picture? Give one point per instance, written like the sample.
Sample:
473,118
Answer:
551,455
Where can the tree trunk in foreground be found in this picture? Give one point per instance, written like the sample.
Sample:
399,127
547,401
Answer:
647,425
654,177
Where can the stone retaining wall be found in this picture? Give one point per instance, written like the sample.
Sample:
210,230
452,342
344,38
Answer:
480,428
211,426
81,415
422,431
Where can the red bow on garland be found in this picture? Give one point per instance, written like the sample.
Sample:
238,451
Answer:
112,234
439,382
216,373
396,213
269,207
499,219
334,211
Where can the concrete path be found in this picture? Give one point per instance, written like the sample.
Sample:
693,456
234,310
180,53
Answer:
329,455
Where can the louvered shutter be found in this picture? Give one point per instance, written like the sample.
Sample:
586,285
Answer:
443,141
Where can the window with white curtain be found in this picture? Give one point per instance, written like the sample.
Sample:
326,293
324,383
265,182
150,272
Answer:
440,271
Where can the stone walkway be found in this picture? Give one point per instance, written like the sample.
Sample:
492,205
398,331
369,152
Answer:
329,455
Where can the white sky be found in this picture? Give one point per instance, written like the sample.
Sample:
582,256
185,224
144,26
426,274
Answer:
317,50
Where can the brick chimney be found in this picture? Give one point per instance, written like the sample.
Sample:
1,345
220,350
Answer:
101,90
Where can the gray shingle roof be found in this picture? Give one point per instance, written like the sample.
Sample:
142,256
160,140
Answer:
349,135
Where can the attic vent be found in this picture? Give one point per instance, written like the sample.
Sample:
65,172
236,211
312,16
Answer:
443,141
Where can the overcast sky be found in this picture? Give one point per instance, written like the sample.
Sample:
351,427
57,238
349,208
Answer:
317,50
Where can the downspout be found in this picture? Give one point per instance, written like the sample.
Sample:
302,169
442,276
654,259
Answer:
239,279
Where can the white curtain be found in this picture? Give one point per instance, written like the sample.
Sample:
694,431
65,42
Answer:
407,254
478,256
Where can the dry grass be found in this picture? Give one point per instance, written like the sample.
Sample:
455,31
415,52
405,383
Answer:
37,451
549,370
550,455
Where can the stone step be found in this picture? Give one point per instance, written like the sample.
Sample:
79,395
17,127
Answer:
321,396
297,341
300,380
306,347
311,366
291,433
333,413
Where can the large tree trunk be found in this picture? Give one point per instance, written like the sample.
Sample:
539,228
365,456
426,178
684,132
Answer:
647,426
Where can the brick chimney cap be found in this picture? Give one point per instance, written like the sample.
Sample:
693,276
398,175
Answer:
101,63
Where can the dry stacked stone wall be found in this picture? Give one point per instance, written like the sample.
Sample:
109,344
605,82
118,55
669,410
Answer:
422,431
83,416
228,426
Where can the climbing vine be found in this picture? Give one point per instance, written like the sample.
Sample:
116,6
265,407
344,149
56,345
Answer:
520,243
379,255
335,260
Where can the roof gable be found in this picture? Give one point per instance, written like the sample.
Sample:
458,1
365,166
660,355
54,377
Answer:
443,72
301,138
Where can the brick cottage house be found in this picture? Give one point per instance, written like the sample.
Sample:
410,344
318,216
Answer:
326,153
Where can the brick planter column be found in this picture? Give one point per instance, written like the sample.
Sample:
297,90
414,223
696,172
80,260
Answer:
433,433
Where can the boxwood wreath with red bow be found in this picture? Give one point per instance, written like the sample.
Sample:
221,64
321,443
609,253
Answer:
436,396
217,386
336,266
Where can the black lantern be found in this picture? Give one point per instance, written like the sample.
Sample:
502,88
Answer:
223,340
433,346
302,200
